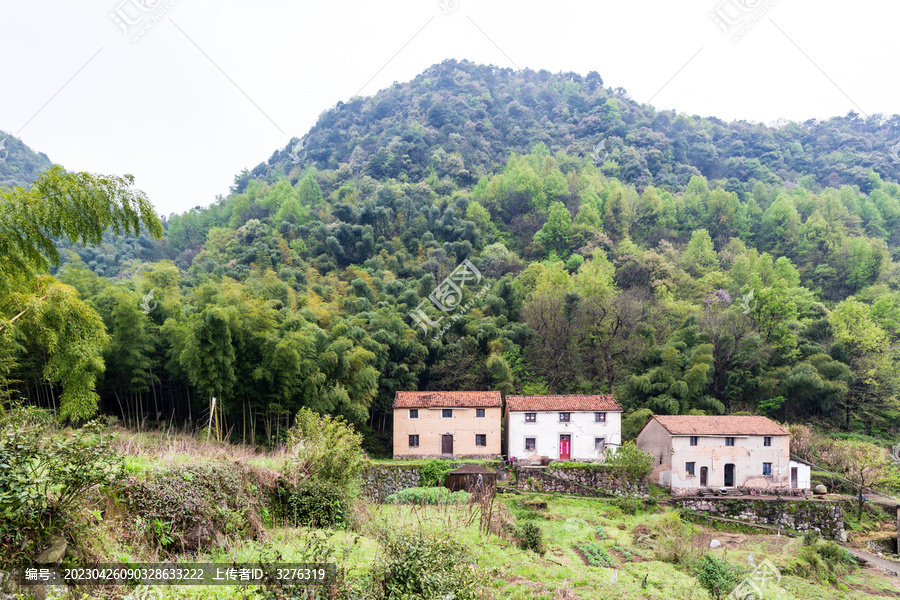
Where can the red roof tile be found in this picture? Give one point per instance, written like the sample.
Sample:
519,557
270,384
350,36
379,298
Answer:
598,402
719,425
446,399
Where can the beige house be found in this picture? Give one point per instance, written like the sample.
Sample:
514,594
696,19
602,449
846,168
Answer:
696,452
447,424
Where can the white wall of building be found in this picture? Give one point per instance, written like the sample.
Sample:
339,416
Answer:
804,475
547,428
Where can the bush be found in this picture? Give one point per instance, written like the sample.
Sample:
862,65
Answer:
420,565
44,473
316,503
432,495
824,561
634,462
717,575
327,448
433,471
532,538
629,506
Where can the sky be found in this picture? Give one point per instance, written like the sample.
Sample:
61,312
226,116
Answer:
184,94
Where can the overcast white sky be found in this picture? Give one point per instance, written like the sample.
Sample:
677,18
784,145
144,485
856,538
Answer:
211,88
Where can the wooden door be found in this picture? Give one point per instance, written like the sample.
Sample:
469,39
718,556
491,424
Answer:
729,475
794,477
704,473
565,446
447,444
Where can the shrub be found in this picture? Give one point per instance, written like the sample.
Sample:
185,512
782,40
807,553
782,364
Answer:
673,541
634,462
327,448
717,575
432,473
420,565
532,538
629,506
44,473
432,495
824,561
316,503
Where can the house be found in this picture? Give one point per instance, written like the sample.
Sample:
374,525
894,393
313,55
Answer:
562,427
696,452
447,424
801,474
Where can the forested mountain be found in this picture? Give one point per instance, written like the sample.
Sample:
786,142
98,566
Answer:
687,265
19,164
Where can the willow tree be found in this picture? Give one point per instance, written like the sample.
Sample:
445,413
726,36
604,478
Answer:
36,310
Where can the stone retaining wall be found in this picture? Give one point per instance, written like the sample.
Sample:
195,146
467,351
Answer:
381,480
822,516
586,480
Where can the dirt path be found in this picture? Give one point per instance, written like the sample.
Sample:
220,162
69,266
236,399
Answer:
882,563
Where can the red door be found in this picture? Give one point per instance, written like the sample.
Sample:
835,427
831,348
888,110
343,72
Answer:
565,447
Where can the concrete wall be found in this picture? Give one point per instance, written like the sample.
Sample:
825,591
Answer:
822,516
656,441
547,428
747,455
463,426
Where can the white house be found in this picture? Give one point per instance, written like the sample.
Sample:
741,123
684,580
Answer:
697,452
562,427
801,474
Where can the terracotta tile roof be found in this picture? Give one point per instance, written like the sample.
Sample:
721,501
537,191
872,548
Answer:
446,399
565,403
719,425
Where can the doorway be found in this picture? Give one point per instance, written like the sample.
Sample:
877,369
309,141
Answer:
704,472
565,446
447,444
794,477
729,475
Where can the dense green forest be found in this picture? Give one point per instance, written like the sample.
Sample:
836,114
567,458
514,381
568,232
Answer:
687,265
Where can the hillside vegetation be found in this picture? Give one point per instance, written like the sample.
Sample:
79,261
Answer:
687,265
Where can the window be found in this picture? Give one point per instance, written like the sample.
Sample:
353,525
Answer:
689,467
693,440
599,443
599,417
481,439
530,417
479,412
767,441
414,413
564,417
729,441
767,469
447,413
530,443
413,441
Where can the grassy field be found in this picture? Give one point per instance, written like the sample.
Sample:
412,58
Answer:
648,555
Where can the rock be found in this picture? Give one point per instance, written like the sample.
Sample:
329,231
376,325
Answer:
820,489
715,544
202,537
53,553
